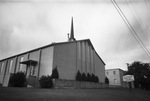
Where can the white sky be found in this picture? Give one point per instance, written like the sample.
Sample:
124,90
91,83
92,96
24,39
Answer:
28,24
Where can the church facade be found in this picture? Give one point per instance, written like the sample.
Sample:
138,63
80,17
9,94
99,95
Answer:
68,57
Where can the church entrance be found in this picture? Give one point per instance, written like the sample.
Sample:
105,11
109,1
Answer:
31,74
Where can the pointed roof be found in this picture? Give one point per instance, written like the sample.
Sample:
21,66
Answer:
72,31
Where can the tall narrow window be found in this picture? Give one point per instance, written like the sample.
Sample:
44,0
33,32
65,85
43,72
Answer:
1,67
10,66
21,65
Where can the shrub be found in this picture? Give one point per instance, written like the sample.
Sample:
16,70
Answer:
96,79
106,80
84,78
17,79
78,76
55,73
89,77
93,78
46,81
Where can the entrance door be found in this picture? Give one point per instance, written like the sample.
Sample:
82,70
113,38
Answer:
31,80
30,71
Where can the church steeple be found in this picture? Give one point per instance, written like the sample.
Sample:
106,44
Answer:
72,32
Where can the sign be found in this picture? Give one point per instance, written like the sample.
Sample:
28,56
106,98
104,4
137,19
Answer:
128,78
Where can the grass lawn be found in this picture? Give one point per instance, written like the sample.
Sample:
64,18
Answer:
108,94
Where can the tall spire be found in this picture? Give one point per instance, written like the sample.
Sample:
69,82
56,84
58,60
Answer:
72,32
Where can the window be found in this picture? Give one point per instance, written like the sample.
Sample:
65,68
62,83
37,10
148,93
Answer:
1,67
32,71
21,65
107,73
10,66
115,80
114,72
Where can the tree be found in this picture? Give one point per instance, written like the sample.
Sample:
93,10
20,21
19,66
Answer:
93,78
78,76
141,72
55,73
88,77
84,78
106,80
96,79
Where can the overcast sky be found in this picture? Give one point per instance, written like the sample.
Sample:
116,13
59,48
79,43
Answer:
29,24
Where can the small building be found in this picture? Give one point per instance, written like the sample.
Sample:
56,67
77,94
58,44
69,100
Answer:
115,77
68,57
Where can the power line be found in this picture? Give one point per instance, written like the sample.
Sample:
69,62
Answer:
133,32
147,6
137,19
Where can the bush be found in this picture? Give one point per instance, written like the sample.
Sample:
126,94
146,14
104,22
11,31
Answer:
89,77
78,76
0,85
46,81
84,77
17,79
93,78
55,73
106,80
96,79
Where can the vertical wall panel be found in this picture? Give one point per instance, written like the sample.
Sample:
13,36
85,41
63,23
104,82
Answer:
99,68
88,59
83,57
3,71
86,56
46,64
79,62
6,75
92,63
10,68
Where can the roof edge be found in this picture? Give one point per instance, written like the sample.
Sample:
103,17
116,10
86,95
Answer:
52,44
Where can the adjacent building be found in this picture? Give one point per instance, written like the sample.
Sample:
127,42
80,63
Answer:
115,77
68,57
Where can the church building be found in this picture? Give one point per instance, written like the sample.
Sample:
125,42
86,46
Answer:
68,57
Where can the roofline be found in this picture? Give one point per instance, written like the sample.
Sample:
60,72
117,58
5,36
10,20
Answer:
95,51
114,69
22,53
83,40
52,44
